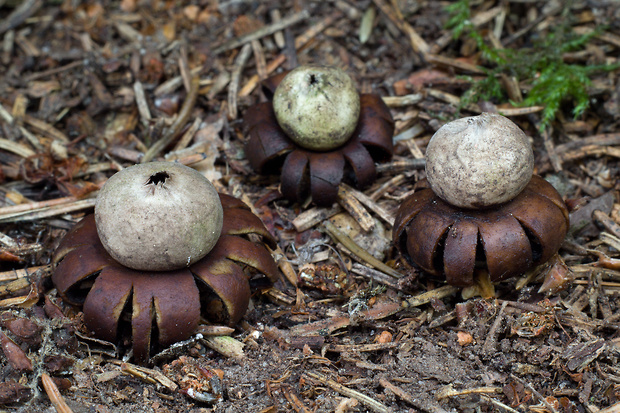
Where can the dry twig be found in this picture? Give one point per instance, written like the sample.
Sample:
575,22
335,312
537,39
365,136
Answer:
357,250
54,394
276,26
368,401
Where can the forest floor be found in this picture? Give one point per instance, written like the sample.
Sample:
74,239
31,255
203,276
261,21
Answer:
86,88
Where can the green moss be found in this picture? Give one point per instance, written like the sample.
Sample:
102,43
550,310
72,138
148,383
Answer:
541,68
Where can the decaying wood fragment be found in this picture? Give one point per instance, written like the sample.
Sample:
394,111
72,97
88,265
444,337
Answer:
314,216
578,356
225,345
17,358
148,375
366,201
355,208
425,298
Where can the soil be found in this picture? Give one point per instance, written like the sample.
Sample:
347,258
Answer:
86,88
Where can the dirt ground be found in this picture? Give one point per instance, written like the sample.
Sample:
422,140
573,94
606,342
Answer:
86,88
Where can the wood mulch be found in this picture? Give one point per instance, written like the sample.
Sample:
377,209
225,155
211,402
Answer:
87,88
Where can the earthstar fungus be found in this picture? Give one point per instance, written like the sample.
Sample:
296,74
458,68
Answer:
164,306
491,237
314,149
169,207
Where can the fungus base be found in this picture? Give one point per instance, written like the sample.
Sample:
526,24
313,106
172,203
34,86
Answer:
305,172
506,241
164,307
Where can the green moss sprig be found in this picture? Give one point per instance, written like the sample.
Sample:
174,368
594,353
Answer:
550,80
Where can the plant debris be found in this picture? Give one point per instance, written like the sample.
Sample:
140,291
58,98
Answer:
90,88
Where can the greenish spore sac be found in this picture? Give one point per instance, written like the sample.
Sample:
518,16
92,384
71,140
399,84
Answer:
318,107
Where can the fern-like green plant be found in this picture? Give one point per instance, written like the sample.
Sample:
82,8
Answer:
551,80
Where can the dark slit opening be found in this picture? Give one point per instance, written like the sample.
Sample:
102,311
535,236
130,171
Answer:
481,258
438,260
77,293
124,328
212,308
154,330
536,245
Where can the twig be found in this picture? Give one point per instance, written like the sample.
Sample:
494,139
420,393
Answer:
141,103
45,128
360,348
188,135
606,222
605,139
20,14
591,150
15,284
375,275
368,202
170,85
19,274
414,401
352,205
498,403
14,209
54,394
452,99
357,250
449,391
489,342
184,69
300,41
314,216
278,36
46,212
542,398
520,111
556,162
54,71
328,326
210,330
417,43
259,59
424,298
457,64
401,165
286,267
235,75
372,403
173,130
16,148
387,186
615,408
146,374
263,31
